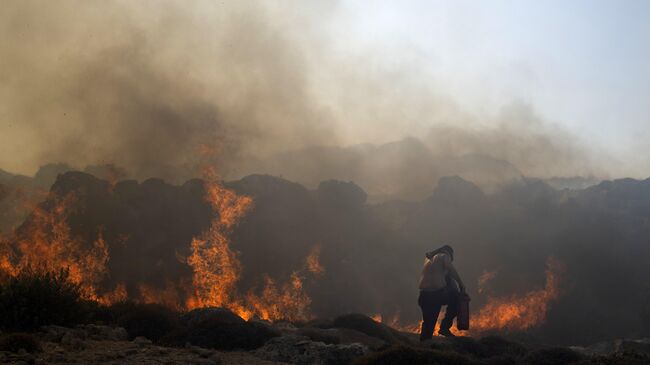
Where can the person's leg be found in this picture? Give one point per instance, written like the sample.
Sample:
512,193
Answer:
450,313
430,310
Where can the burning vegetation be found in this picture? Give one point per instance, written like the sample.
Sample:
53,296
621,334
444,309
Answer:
260,247
46,243
517,313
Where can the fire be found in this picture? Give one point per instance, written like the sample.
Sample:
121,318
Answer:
484,279
48,244
512,313
313,264
217,268
396,322
169,296
520,312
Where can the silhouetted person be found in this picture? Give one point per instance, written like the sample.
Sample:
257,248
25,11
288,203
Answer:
439,285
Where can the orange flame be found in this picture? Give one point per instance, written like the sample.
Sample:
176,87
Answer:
217,268
313,262
520,312
169,296
510,313
484,279
47,244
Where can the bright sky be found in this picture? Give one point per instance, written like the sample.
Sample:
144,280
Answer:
581,64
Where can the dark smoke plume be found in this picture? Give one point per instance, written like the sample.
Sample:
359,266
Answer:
142,86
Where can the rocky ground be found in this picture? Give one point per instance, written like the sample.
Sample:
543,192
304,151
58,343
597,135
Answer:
351,339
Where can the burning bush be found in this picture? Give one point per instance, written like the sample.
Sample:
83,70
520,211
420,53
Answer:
34,298
14,342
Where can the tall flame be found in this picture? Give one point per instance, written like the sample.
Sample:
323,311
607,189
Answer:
520,312
217,268
48,244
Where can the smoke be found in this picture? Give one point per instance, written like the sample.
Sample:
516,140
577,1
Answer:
143,85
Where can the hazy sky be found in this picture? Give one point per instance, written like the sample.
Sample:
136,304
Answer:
120,81
581,64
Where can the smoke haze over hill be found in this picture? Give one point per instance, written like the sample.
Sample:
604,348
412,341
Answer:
144,86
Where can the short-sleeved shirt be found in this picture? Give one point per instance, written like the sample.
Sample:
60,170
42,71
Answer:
434,272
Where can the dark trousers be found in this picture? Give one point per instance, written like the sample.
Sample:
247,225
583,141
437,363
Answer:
430,303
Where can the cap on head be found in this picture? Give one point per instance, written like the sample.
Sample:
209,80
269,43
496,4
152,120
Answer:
444,249
447,249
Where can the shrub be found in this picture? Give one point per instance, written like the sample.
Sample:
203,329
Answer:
153,321
405,355
35,298
552,356
368,326
319,335
498,346
219,328
13,342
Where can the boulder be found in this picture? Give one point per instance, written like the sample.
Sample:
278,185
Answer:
218,328
370,327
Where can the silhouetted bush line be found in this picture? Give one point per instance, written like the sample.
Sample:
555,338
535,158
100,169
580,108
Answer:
153,321
14,342
34,298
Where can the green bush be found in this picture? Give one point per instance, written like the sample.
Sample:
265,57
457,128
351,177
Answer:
13,342
153,321
35,298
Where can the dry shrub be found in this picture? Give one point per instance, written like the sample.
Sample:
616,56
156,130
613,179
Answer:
34,298
14,342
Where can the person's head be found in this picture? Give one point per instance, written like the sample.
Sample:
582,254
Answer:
444,249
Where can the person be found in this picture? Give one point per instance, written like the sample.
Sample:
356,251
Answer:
439,285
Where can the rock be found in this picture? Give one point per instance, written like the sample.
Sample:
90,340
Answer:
368,326
336,336
641,346
636,346
70,339
222,315
285,327
221,329
141,341
301,351
103,333
54,333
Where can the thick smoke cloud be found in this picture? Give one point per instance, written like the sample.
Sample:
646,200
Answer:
143,85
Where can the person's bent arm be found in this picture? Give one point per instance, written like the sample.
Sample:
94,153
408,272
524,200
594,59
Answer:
454,275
